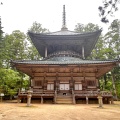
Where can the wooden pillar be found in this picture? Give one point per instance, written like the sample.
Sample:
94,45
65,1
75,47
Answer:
87,100
83,52
44,81
56,80
41,100
45,51
72,86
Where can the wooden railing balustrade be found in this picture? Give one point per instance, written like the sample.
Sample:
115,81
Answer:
54,93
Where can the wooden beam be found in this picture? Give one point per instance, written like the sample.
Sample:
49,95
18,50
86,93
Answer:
104,69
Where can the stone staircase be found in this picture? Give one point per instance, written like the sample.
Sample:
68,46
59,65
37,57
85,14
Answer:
64,100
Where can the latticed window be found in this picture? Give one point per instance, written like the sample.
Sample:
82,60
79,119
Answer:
90,83
38,83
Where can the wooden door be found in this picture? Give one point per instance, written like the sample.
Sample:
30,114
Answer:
50,86
78,86
64,87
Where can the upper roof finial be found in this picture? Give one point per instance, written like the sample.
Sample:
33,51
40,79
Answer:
64,19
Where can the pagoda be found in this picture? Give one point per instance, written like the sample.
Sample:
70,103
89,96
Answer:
64,75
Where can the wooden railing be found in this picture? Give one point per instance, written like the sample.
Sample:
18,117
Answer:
38,92
74,93
92,93
106,93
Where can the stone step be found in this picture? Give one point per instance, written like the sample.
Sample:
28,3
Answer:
61,96
64,100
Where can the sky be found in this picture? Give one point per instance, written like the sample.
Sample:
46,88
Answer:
20,14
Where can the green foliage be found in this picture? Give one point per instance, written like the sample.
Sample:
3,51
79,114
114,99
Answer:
98,51
15,47
33,53
107,47
37,28
90,27
117,84
10,82
1,45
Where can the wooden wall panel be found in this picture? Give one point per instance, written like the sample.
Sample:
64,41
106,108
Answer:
77,74
38,78
64,74
77,69
78,78
90,74
50,74
52,70
64,69
64,78
90,70
50,78
90,78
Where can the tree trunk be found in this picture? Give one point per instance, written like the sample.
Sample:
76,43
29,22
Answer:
114,88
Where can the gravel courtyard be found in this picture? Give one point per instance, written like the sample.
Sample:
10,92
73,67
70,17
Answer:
19,111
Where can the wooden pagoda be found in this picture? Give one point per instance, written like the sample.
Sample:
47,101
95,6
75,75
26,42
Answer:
64,75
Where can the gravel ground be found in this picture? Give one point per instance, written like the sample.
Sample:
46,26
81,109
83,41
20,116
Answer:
19,111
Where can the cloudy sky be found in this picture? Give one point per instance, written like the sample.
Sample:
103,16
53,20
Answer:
20,14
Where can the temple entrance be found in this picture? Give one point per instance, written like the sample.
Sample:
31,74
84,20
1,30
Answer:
64,87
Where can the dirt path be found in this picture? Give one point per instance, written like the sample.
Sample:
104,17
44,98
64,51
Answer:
15,111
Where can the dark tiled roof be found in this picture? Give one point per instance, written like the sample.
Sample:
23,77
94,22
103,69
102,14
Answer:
63,32
80,62
65,40
63,59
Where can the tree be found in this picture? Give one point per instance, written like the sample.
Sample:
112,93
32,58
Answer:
108,8
97,52
15,47
107,47
90,27
112,51
10,82
36,28
1,44
112,41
